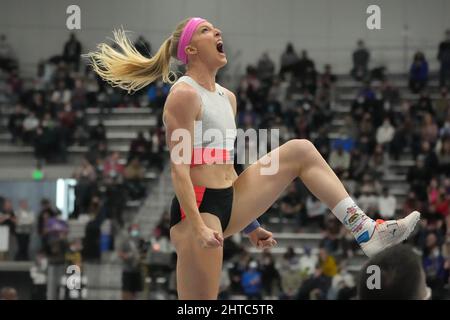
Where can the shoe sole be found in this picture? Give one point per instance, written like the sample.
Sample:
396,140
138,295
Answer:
405,236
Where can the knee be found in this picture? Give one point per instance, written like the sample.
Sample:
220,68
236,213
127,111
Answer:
301,147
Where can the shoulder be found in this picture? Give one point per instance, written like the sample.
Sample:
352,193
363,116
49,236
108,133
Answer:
183,92
183,99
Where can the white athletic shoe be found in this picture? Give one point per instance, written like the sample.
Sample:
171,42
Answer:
389,233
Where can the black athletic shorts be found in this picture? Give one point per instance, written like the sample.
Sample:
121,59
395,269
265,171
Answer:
215,201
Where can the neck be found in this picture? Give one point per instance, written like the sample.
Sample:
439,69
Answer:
203,75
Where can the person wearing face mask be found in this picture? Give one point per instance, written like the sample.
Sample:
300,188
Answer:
131,267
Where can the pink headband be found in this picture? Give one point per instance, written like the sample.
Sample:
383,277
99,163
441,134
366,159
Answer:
186,37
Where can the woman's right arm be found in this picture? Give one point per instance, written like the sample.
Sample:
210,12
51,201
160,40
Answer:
180,111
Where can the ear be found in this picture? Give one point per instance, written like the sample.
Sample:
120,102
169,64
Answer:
189,50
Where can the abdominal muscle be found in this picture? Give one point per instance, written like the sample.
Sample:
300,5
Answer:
214,176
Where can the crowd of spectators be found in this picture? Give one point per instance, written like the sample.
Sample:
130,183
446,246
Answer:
50,113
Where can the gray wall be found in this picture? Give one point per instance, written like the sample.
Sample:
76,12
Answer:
327,28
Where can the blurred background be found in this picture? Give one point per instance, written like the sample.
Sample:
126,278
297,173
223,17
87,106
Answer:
84,175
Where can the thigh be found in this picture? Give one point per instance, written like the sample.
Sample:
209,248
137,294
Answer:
255,192
198,269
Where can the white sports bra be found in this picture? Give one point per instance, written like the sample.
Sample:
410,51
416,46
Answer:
215,132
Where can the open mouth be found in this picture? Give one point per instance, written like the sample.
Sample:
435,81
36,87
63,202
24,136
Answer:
220,47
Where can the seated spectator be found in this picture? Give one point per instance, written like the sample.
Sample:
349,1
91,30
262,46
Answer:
24,229
56,230
358,164
72,52
361,57
30,124
411,203
322,142
385,133
138,148
86,177
442,107
252,282
418,74
8,219
79,96
15,123
315,287
113,167
134,175
91,242
315,210
131,274
288,59
155,147
291,279
429,130
423,106
327,263
443,157
419,177
343,285
368,201
444,131
339,160
270,276
327,78
98,133
377,164
433,264
239,265
442,203
38,275
265,67
163,227
307,263
387,205
7,59
444,59
431,162
305,71
291,205
390,94
402,276
290,257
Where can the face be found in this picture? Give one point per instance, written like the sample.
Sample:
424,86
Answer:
431,241
207,46
7,205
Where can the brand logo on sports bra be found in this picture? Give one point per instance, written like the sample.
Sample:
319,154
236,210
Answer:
221,93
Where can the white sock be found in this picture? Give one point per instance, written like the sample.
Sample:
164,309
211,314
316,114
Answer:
354,219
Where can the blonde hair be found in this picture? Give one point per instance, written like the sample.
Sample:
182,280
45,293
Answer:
130,70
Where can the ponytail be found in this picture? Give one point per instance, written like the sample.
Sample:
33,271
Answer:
127,68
